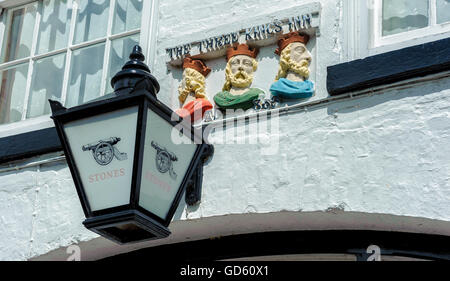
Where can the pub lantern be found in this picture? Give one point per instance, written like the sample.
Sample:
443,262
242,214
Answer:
130,159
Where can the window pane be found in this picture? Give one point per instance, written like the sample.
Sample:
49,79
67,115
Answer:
92,20
19,34
48,75
120,50
12,93
404,15
54,26
443,11
127,15
85,75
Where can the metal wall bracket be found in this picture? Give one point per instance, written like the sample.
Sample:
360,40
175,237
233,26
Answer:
194,188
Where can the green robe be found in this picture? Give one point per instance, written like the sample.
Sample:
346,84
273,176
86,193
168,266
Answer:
226,100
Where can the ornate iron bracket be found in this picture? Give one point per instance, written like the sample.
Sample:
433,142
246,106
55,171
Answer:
194,189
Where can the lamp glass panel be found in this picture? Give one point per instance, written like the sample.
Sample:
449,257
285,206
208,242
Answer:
167,156
103,151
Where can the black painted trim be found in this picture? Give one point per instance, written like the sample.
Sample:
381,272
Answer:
29,144
386,68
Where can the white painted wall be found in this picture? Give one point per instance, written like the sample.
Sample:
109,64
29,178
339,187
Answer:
384,154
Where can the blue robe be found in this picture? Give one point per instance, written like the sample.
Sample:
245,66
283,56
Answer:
288,89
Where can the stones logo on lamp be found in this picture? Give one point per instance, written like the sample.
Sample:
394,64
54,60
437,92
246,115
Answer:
104,151
132,181
164,160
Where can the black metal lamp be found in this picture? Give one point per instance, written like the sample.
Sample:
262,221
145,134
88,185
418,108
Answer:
130,158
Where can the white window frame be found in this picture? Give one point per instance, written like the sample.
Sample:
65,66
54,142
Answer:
363,30
147,41
432,28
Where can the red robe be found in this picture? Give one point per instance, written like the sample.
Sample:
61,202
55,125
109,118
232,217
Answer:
195,109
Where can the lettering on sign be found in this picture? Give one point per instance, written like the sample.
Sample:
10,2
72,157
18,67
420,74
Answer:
308,18
106,175
157,181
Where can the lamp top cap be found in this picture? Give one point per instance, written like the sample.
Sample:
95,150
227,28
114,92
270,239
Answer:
137,54
134,72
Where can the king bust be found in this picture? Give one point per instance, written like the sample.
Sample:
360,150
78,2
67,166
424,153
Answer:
192,93
292,78
236,93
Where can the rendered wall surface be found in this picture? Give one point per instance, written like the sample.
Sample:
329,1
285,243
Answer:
387,153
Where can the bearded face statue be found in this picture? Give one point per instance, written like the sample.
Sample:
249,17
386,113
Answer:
294,58
192,86
239,72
